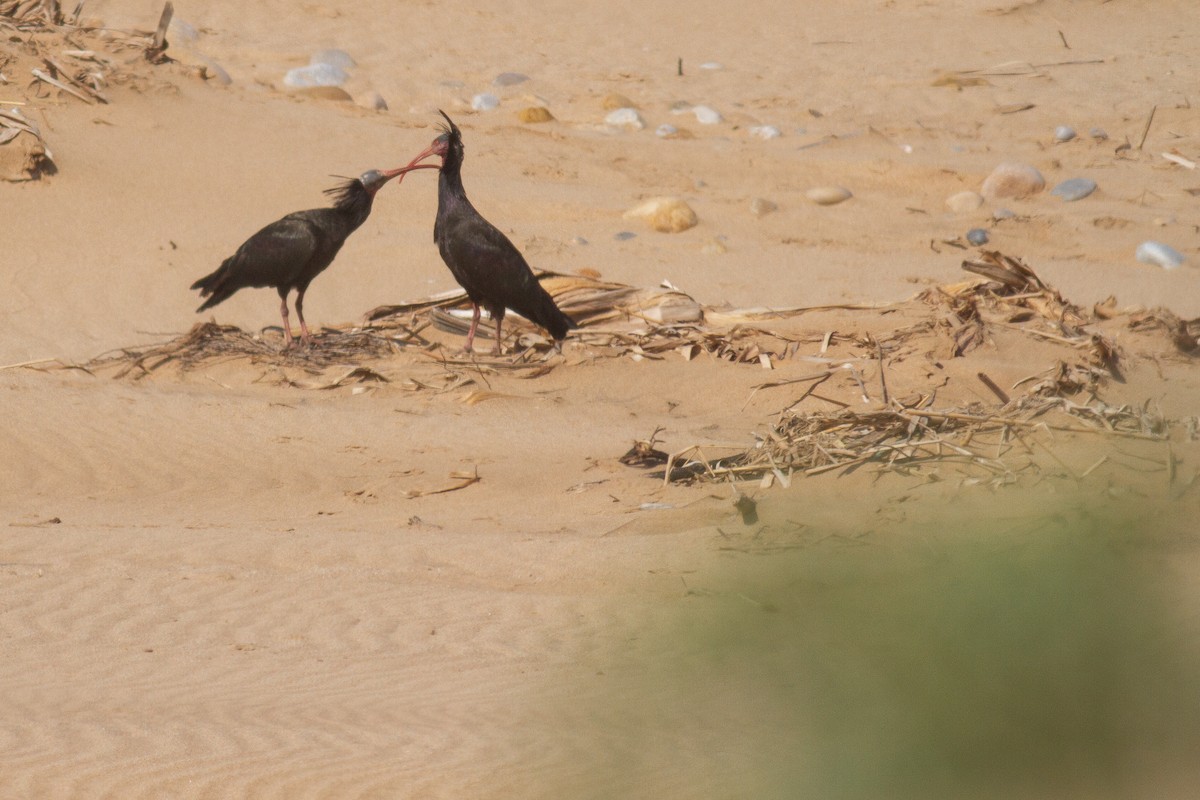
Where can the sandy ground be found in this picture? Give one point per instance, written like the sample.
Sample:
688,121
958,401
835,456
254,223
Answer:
213,585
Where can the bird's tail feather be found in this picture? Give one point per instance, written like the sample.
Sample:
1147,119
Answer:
212,286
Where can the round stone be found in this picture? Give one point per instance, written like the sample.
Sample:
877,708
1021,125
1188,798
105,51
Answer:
1074,189
977,236
613,101
1012,179
964,202
625,118
535,114
664,214
485,102
1159,254
828,195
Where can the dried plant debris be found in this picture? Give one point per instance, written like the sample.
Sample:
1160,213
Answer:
945,323
904,439
208,342
52,57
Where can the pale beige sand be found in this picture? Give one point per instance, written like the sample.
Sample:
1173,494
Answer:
239,600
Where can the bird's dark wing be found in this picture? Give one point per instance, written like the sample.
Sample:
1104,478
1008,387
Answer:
277,254
495,274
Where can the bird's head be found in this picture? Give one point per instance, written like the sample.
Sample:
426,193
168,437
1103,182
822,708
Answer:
448,145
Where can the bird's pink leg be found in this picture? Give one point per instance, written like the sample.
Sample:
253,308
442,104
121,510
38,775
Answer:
496,349
304,337
287,328
474,325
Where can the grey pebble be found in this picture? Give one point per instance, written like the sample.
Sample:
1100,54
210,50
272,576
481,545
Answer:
1074,189
509,79
578,240
760,206
1099,134
977,236
1064,133
1003,213
622,236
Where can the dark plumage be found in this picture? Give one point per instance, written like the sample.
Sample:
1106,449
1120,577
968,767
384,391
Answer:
290,252
481,258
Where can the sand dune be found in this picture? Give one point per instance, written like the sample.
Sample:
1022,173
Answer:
217,583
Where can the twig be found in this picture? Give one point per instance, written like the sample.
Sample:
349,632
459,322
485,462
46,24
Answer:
887,401
42,76
1146,130
996,390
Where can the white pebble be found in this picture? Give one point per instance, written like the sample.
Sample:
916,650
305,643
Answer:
625,118
485,102
711,65
706,115
666,130
314,75
766,132
1064,133
1159,254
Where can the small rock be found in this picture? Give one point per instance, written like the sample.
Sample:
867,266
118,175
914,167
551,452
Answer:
372,100
625,118
1159,254
766,132
613,101
336,93
964,202
1099,134
706,115
535,114
1003,213
1012,179
760,207
334,58
977,236
1074,189
828,195
509,79
1064,133
314,75
711,65
666,131
622,236
578,240
664,214
485,102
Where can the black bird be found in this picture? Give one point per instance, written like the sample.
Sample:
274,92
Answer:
290,252
481,258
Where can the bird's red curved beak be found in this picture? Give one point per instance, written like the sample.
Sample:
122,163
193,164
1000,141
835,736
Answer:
401,171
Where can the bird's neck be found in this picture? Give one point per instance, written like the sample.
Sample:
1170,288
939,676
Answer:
355,207
450,185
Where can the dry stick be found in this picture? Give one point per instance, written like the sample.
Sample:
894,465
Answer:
28,363
41,76
996,390
1146,130
887,401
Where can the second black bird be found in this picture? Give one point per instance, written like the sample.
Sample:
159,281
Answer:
481,258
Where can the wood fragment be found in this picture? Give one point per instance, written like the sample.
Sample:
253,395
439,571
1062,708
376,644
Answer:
996,390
